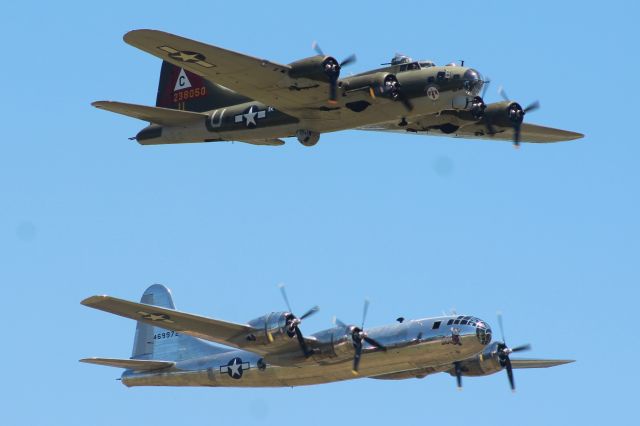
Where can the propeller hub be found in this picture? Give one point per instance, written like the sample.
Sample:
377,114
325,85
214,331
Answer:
477,107
516,113
391,86
331,67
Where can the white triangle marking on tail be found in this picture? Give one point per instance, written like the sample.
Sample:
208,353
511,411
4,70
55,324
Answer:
182,82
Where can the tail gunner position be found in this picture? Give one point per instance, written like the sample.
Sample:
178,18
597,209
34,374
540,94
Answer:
210,94
174,348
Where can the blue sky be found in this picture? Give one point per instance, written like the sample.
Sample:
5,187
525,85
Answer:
548,234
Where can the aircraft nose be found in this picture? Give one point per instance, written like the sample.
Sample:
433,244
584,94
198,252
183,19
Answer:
472,81
483,332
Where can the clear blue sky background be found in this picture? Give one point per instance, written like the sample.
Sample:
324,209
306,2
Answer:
548,234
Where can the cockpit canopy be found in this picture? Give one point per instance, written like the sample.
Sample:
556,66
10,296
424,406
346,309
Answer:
483,331
406,63
468,320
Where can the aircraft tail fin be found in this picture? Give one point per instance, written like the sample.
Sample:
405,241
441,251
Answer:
184,90
155,343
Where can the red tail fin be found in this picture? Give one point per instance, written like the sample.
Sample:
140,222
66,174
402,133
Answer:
184,90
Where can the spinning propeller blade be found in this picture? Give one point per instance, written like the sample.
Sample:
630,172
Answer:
504,351
358,335
332,70
516,114
458,371
293,322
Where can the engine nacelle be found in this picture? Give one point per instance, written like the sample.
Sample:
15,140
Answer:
270,328
307,137
321,68
482,365
505,113
380,84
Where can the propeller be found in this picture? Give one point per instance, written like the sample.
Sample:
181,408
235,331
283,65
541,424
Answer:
458,370
504,351
516,114
332,68
293,322
358,335
485,86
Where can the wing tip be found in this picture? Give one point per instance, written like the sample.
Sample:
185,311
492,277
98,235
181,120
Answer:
130,37
574,135
93,300
540,363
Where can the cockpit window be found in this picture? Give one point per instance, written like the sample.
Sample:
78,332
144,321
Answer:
436,325
426,64
409,67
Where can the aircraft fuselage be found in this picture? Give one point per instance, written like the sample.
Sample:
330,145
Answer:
413,345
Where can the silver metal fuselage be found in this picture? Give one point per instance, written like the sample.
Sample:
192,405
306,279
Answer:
412,346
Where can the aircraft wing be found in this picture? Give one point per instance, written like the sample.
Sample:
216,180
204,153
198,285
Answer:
259,79
130,364
225,333
429,126
529,133
538,363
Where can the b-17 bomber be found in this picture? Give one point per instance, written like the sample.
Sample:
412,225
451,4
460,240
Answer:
175,348
210,94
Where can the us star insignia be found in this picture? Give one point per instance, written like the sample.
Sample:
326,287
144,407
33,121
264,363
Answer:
235,368
151,316
250,116
186,56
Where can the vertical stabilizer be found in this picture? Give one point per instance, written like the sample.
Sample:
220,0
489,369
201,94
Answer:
159,344
184,90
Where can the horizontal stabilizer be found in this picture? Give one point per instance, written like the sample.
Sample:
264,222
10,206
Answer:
157,115
130,364
539,363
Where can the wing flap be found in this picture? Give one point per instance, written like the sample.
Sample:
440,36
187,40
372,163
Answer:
163,116
225,333
539,363
130,364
